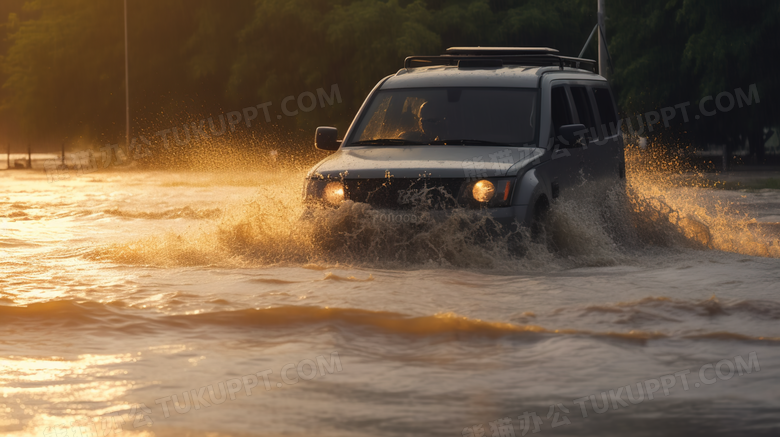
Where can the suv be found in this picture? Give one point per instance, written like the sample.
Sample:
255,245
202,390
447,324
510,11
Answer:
502,130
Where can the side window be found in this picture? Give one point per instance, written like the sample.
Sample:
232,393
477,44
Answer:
607,111
584,109
560,111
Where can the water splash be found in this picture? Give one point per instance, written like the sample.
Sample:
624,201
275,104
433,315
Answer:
660,204
667,191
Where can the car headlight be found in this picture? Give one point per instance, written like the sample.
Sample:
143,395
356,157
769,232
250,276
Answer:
483,191
319,190
491,193
333,193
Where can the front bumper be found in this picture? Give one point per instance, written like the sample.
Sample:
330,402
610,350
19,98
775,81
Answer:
506,217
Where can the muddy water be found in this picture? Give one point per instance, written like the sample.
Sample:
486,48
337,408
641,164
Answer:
164,303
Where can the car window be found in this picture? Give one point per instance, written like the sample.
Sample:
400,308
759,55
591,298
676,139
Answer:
584,109
606,109
560,111
425,115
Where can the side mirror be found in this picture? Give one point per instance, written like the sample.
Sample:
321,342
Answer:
572,134
326,138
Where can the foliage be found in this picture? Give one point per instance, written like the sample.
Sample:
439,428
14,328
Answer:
62,64
68,54
674,51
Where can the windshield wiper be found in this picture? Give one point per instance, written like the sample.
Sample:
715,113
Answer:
388,141
466,141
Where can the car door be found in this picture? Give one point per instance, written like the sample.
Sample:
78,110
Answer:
567,159
607,156
585,115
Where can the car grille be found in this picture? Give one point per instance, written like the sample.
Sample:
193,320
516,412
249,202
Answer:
397,193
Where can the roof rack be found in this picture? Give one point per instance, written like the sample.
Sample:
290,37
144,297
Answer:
497,56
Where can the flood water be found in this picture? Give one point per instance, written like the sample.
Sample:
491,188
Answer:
163,303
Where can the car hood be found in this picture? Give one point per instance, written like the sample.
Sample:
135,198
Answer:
364,162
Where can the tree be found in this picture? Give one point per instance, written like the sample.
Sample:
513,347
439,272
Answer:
732,45
61,59
674,51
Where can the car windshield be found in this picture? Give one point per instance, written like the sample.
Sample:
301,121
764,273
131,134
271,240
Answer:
474,116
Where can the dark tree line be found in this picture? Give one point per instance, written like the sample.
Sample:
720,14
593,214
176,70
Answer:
669,52
62,61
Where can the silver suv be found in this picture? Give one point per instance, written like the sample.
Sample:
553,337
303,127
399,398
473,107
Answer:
502,130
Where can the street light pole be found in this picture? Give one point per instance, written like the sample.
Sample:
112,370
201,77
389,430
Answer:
127,89
602,41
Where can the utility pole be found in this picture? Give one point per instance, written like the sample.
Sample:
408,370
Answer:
602,41
127,89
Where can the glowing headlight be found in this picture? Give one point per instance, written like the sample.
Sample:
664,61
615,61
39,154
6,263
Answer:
333,193
483,191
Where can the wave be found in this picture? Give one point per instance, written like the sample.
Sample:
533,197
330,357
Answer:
174,213
65,314
760,309
335,277
670,313
272,281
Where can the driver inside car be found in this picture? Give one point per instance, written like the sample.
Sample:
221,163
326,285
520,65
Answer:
432,124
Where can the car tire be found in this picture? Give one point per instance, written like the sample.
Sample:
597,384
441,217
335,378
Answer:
539,227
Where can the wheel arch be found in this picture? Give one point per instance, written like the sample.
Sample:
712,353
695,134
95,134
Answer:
533,186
